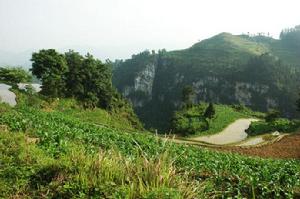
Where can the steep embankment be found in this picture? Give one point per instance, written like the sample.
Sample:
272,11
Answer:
227,69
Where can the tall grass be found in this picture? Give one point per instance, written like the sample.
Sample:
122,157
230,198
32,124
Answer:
106,174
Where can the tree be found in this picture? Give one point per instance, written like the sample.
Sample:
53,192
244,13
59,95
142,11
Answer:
188,94
272,115
51,67
210,111
96,82
75,76
14,75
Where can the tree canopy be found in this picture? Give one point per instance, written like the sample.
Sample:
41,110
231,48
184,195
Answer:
50,66
73,75
14,75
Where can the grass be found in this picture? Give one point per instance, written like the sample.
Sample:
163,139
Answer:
218,174
101,117
29,172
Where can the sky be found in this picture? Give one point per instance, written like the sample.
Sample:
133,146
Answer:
116,29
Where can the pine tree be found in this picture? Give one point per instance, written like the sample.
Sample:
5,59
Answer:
210,111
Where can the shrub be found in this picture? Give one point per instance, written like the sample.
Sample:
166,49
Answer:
210,111
281,125
272,115
187,124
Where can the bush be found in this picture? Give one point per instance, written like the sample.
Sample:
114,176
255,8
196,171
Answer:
281,125
272,115
189,125
210,111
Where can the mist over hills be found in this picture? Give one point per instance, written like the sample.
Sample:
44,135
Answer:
15,59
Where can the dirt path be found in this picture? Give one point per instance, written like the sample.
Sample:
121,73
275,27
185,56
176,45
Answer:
235,132
252,141
6,95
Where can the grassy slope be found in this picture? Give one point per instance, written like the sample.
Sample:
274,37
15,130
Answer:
27,171
239,47
224,115
120,120
96,116
219,173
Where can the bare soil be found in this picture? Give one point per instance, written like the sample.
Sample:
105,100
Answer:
286,148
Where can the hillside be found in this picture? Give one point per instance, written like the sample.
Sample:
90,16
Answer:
54,154
259,72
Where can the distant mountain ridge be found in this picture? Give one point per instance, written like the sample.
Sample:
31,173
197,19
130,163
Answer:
258,71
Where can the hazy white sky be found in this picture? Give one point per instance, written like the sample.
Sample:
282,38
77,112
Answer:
118,28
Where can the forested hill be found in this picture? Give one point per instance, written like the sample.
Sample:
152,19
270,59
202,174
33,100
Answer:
258,71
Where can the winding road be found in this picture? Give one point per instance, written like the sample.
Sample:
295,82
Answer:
233,133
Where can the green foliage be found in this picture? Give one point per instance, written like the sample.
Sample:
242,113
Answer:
272,115
13,75
28,170
281,125
221,174
84,78
75,75
210,111
92,82
188,125
188,95
50,66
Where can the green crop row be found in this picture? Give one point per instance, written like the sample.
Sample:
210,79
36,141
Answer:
230,175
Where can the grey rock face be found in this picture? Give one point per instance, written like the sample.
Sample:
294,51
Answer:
141,91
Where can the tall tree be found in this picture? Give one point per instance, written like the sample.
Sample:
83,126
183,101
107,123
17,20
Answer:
188,95
75,76
96,82
51,67
210,111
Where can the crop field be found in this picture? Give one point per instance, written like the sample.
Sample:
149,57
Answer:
221,174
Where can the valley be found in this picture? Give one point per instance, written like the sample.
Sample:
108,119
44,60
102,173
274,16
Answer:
217,120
